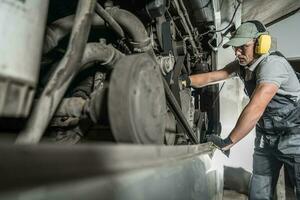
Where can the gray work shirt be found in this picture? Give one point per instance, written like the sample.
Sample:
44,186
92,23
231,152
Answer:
274,69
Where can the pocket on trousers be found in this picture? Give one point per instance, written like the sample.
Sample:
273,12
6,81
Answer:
293,118
279,122
265,123
290,144
297,159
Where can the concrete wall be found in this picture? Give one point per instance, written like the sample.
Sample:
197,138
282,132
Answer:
232,102
287,33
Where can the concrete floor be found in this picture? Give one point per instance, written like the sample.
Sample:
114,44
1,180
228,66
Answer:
233,195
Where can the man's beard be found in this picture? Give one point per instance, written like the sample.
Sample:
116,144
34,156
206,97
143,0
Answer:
241,63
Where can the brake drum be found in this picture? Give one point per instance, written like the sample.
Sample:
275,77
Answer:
136,101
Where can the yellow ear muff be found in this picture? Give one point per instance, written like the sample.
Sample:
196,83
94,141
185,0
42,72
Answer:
263,44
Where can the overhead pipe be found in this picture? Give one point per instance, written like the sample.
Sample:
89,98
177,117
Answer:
185,13
62,76
186,27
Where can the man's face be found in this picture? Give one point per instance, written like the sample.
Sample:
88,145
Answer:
245,53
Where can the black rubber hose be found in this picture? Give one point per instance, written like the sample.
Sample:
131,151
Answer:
103,54
109,19
133,26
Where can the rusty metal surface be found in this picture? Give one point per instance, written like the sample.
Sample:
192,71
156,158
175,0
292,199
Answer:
108,172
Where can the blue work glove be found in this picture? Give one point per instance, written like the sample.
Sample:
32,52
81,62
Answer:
220,143
185,80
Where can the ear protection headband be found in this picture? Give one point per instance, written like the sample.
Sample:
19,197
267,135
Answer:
264,41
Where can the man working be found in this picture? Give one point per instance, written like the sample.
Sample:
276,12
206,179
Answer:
274,91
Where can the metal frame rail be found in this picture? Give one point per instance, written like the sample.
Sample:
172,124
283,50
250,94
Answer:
108,171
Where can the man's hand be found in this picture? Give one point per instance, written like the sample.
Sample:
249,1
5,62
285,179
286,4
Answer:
185,80
222,144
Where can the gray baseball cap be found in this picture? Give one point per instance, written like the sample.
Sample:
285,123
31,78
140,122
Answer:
245,33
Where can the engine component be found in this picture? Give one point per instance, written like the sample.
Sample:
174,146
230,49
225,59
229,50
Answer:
99,53
171,131
56,31
201,67
140,41
71,107
201,11
136,101
107,18
22,37
187,25
134,27
62,76
176,110
167,36
77,107
187,105
77,113
166,63
124,98
156,8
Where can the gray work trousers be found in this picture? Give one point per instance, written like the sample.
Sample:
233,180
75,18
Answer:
270,154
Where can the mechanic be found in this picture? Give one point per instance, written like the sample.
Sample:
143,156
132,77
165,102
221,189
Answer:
274,91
